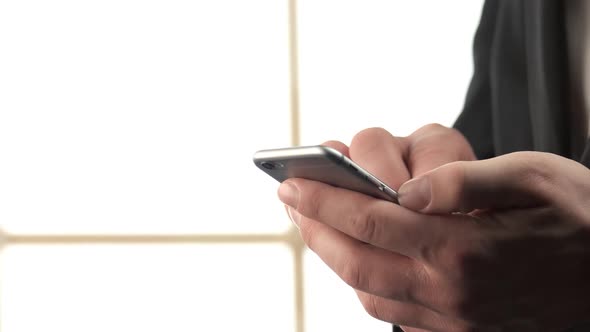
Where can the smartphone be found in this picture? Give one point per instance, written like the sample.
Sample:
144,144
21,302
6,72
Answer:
323,164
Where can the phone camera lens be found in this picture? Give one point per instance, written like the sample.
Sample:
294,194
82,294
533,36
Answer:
268,165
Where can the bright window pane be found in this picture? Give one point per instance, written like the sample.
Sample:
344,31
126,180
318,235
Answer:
392,64
141,116
331,305
143,288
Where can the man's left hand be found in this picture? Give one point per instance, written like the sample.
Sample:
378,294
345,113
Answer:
496,245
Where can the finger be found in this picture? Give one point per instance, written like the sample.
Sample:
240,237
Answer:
339,146
367,219
392,274
414,316
509,181
380,153
411,329
362,266
434,145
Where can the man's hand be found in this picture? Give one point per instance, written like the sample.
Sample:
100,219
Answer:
395,160
497,245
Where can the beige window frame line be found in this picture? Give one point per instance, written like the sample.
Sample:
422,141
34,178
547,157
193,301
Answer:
291,237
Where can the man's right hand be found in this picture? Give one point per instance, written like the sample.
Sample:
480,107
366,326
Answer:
395,160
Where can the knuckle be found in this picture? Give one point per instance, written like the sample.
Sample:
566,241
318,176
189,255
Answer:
447,253
417,284
441,289
371,138
540,174
426,141
370,305
335,144
307,232
370,134
365,226
457,171
432,127
436,129
456,138
310,201
534,169
351,274
535,164
456,195
428,248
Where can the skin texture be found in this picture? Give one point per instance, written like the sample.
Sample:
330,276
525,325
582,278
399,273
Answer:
496,245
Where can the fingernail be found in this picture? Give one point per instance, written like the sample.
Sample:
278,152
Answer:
415,194
294,215
289,194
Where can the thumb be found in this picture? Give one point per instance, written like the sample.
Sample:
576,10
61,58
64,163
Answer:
510,181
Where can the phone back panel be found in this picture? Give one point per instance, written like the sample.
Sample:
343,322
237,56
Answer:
322,164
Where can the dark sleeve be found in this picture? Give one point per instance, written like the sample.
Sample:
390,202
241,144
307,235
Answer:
475,121
586,156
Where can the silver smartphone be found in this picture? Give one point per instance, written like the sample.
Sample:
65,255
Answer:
324,164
